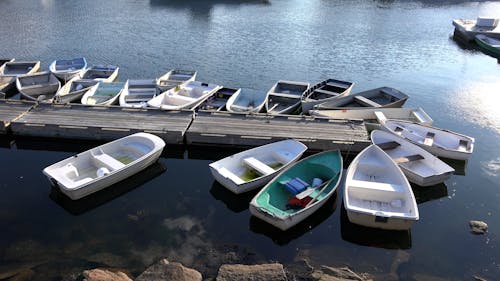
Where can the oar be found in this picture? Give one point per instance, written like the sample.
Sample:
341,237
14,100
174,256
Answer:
321,191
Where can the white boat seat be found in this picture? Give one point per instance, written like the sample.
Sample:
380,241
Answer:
376,185
419,116
429,138
258,166
285,95
69,170
325,92
108,161
388,145
463,145
230,175
283,156
366,102
409,158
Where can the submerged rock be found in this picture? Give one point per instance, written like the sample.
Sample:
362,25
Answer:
165,270
99,274
240,272
478,227
337,274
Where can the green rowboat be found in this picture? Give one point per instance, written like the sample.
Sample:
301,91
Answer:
275,202
488,44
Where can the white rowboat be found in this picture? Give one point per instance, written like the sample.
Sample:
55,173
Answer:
246,101
377,193
65,69
440,142
253,168
184,96
324,91
103,93
100,167
285,97
383,97
419,166
174,78
137,93
40,86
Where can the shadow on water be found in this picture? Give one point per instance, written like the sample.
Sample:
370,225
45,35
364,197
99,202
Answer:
282,238
372,237
235,202
209,152
6,141
428,193
92,201
202,9
460,166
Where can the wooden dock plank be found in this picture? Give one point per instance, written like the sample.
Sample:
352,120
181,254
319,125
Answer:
10,110
101,122
254,130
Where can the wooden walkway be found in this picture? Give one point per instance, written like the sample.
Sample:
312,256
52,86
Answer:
73,121
253,130
101,122
11,110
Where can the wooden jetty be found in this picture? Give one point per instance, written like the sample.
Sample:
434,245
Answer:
75,121
221,128
10,110
101,122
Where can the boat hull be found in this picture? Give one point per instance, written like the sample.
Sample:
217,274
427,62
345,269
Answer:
483,43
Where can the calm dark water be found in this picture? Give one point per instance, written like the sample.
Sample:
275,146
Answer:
175,209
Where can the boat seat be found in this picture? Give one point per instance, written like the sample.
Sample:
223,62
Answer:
463,145
108,161
230,175
69,171
258,166
285,95
429,138
376,185
366,102
388,145
409,158
325,92
419,116
282,156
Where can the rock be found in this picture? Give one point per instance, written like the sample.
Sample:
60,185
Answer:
240,272
478,227
100,274
337,274
165,270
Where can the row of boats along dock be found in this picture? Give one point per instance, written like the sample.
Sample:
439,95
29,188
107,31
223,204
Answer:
75,101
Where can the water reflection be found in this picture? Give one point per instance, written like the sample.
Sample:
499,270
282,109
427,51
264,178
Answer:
372,237
281,238
460,166
429,193
235,202
78,207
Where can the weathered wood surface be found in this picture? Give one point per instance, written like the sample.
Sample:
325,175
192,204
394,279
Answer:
10,110
101,122
253,130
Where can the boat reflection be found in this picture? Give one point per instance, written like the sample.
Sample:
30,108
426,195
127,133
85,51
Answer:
429,193
459,165
281,238
5,141
81,206
235,202
373,237
209,152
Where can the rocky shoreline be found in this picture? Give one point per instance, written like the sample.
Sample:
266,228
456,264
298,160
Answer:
166,270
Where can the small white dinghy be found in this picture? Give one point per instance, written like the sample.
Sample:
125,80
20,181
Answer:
73,90
103,93
104,73
285,97
39,86
440,142
184,96
137,93
377,193
65,69
419,166
174,78
324,91
100,167
255,167
247,101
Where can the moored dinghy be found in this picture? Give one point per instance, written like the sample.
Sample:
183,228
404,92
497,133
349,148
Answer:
6,83
374,116
383,97
174,78
285,97
16,68
217,102
468,29
377,193
419,166
65,69
104,73
324,91
137,93
246,101
103,93
184,96
488,44
100,167
255,167
41,86
4,60
298,191
73,90
440,142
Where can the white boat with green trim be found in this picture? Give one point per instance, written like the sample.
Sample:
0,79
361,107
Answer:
100,167
299,191
255,167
